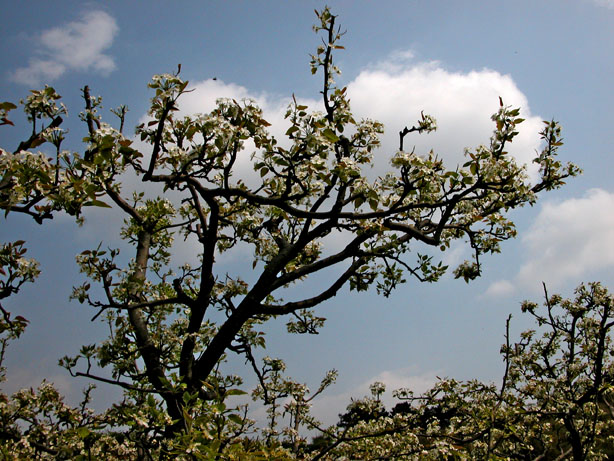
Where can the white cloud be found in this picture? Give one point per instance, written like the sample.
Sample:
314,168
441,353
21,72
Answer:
499,288
396,90
567,242
30,378
605,3
571,238
327,407
78,45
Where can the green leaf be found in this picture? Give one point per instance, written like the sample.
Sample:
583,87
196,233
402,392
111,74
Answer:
235,392
330,135
7,105
220,406
183,86
281,161
37,142
97,203
235,419
291,130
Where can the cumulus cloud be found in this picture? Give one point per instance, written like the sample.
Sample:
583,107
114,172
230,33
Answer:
30,378
500,288
567,242
327,407
605,3
78,45
571,238
396,90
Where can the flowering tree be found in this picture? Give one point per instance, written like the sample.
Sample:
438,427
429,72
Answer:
564,376
555,400
166,346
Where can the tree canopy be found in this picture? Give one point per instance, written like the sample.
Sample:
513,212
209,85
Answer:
554,400
172,325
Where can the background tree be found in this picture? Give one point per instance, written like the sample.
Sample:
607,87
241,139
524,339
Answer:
563,374
555,400
171,327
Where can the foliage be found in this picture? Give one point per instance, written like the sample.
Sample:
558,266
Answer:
173,326
555,400
15,270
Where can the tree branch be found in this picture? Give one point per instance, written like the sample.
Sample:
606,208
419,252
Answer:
314,301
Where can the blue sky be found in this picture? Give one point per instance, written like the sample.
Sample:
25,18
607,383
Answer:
452,59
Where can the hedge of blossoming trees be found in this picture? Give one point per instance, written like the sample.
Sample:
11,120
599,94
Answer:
167,340
555,401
